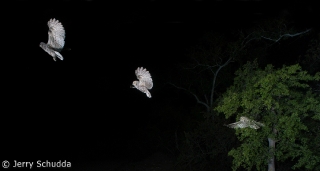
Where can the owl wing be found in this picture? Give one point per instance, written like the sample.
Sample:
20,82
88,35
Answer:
258,123
144,77
239,124
56,34
254,126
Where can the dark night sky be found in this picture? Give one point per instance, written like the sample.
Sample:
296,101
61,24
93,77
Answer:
84,103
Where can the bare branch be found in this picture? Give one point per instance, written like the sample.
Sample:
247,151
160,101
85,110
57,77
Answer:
205,97
198,101
214,79
285,35
215,73
246,40
203,65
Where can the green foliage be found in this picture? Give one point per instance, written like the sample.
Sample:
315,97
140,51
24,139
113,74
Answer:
285,103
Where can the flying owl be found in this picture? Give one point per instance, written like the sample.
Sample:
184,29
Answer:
145,81
246,122
56,39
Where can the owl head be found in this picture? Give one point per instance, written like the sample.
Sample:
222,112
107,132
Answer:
135,84
43,45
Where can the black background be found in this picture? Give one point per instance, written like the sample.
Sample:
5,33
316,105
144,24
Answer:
82,108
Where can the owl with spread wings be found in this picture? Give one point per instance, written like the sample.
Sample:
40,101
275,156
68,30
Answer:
245,122
55,40
145,81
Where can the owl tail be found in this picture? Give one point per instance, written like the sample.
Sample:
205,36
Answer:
148,94
58,55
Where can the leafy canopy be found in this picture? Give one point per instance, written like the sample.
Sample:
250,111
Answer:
285,103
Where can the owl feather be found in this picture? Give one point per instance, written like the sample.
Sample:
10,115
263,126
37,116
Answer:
145,82
56,36
246,122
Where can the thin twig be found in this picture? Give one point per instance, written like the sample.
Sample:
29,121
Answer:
198,101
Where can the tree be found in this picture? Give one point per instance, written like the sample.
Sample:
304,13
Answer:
208,58
207,74
290,111
204,75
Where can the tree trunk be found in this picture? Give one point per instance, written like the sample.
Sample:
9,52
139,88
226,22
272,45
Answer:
272,146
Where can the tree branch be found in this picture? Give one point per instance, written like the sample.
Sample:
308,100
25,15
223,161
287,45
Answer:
198,101
246,40
214,80
286,35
